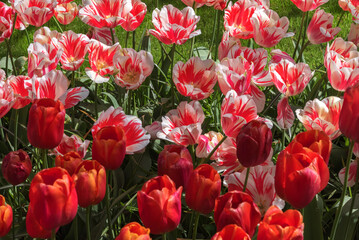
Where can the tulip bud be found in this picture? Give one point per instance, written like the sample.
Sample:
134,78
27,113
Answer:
176,162
109,147
236,207
70,161
16,167
349,116
5,217
278,225
45,126
231,231
254,143
90,182
159,204
53,198
134,231
204,186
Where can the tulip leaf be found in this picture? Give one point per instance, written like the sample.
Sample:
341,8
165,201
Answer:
313,219
346,224
112,98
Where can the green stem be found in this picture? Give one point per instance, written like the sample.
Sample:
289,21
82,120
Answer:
76,228
88,217
340,207
356,186
190,231
108,205
213,33
27,37
129,99
218,36
246,180
57,23
300,34
271,103
302,50
341,17
215,148
283,138
134,39
53,234
164,236
195,227
11,60
16,128
96,110
44,158
126,39
14,214
173,50
113,36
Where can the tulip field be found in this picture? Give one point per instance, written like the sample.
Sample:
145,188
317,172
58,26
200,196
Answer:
186,119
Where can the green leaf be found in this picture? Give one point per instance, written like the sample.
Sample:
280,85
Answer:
313,219
345,222
112,98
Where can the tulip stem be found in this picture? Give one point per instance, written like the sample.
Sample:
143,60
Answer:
353,199
129,99
108,205
88,217
164,236
134,39
96,110
58,24
10,55
76,228
126,39
15,130
283,138
196,220
112,35
14,209
215,148
44,158
300,34
173,50
340,207
53,234
246,180
213,33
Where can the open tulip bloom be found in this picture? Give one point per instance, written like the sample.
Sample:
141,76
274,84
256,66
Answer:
187,119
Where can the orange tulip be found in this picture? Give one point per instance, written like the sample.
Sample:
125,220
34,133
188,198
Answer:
70,161
231,231
90,182
109,146
134,231
204,186
278,225
5,217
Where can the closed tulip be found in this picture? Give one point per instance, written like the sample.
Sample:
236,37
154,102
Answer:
204,186
231,231
236,207
254,143
176,162
300,174
349,116
70,161
134,231
45,126
109,146
53,198
16,167
34,229
278,225
90,182
5,217
159,204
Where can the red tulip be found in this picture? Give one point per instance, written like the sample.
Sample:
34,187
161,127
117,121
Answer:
236,207
231,231
35,12
70,161
90,182
176,162
134,231
135,16
349,116
300,175
33,228
308,5
159,204
5,217
204,186
254,143
53,199
278,225
16,167
6,21
315,140
45,126
109,147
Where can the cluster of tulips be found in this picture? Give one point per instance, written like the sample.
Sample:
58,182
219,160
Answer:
231,172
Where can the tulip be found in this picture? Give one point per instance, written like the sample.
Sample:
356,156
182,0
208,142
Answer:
159,204
315,140
34,229
231,231
254,143
16,167
176,162
90,182
72,144
65,13
6,21
278,225
204,186
236,207
135,16
70,161
308,5
53,199
300,175
45,126
349,116
109,147
132,231
5,217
